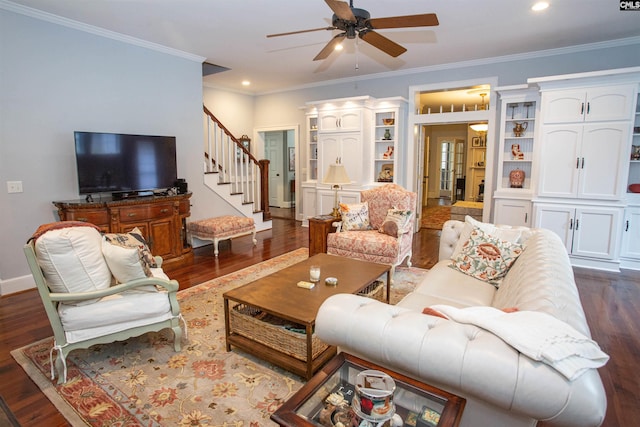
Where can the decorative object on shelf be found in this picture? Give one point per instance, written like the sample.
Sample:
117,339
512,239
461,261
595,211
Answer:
386,173
528,104
336,176
388,122
513,109
519,129
389,153
635,153
387,135
634,188
516,178
475,142
515,151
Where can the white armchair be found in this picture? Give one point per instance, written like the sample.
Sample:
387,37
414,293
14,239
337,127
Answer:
83,301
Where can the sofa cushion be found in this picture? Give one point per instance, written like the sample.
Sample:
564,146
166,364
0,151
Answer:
486,257
355,216
396,222
126,263
71,260
444,285
510,234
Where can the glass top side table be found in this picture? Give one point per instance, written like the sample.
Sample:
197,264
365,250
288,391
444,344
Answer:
416,403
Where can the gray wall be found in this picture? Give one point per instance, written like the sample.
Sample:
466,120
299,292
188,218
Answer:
55,80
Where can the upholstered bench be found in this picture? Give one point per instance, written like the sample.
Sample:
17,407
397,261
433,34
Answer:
222,228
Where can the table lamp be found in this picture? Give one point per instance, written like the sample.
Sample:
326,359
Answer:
336,176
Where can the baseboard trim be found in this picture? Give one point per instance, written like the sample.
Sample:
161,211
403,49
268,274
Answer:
17,284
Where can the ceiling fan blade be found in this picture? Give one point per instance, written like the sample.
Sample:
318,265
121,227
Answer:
424,20
381,42
330,47
301,31
341,9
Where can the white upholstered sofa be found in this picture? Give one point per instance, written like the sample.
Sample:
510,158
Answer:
503,386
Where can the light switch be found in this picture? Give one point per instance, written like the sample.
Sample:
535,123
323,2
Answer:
14,186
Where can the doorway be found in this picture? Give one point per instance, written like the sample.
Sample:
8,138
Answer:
279,146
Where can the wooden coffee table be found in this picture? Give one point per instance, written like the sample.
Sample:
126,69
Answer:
274,319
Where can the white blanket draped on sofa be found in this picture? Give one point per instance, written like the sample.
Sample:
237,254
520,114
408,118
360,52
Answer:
537,335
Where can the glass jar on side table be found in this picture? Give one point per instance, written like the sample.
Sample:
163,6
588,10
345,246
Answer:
327,398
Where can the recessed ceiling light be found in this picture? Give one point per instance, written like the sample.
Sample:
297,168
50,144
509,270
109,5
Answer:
541,5
339,47
246,83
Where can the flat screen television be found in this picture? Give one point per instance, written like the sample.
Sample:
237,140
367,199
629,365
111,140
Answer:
124,164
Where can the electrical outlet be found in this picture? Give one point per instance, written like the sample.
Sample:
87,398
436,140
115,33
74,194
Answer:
14,186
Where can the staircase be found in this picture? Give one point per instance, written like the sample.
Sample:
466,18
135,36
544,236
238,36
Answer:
232,172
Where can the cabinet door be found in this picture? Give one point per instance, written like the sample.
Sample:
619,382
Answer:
565,106
308,202
513,212
609,103
596,232
557,218
345,120
602,152
346,147
631,234
560,161
162,237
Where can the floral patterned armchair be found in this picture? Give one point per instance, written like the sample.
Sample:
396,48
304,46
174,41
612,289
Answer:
374,241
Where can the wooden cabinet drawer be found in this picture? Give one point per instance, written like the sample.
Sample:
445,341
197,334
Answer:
97,217
146,212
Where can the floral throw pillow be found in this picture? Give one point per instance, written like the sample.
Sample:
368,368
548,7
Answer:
486,257
355,216
396,222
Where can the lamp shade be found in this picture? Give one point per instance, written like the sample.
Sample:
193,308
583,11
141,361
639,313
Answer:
336,175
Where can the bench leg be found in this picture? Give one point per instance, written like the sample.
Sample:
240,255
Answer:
215,247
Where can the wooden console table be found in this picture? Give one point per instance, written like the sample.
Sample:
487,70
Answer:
161,219
319,228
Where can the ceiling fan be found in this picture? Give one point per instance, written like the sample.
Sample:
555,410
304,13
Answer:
353,21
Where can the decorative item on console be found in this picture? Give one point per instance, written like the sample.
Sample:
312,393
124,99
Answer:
516,178
635,153
519,129
517,154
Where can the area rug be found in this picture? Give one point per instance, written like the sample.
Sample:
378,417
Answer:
144,382
434,217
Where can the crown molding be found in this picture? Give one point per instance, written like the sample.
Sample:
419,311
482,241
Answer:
70,23
470,63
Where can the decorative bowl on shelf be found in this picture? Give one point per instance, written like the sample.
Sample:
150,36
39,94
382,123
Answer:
388,122
634,188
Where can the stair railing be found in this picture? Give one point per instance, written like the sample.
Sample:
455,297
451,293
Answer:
226,156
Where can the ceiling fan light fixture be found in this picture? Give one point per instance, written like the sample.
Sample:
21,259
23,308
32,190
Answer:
339,47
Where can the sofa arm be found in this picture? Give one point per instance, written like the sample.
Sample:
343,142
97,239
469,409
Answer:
451,231
459,358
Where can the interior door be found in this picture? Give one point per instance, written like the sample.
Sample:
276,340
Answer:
273,148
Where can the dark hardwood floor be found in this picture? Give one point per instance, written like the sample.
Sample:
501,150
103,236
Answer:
610,300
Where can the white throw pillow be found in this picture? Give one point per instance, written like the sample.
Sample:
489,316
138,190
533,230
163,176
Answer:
355,216
126,264
71,260
513,235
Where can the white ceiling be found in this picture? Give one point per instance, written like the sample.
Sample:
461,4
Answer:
233,33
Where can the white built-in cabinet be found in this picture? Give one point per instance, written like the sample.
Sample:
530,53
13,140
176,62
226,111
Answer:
590,232
630,251
365,134
584,160
519,109
584,148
